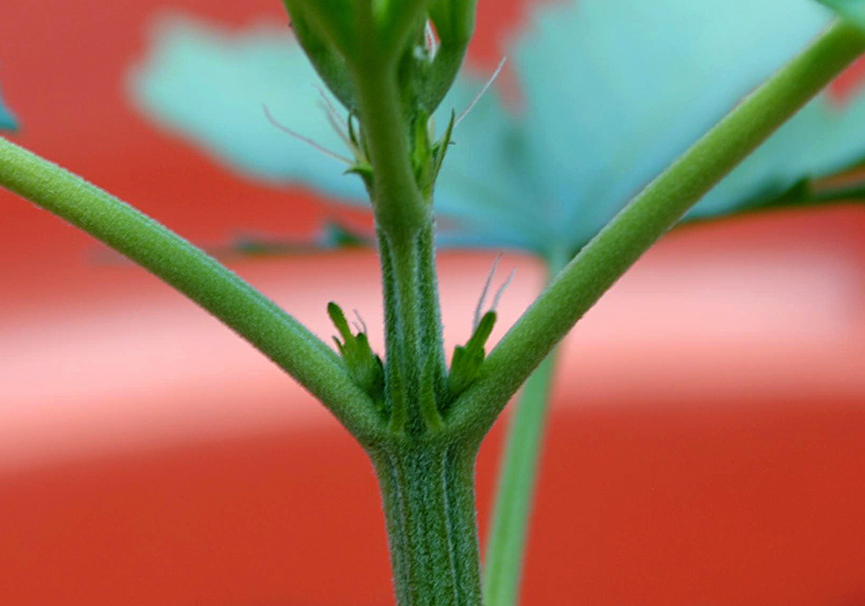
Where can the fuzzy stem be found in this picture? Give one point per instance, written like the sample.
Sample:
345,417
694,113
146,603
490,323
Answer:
428,498
404,221
415,366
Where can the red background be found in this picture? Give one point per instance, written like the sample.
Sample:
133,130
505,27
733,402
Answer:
707,443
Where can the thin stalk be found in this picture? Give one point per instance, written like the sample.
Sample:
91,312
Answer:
512,504
649,216
197,275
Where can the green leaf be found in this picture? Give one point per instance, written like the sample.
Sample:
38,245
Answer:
854,10
326,60
610,99
334,19
7,119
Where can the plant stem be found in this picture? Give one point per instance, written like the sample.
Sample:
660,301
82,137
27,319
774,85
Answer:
512,504
415,352
426,479
428,496
200,277
399,208
415,365
650,215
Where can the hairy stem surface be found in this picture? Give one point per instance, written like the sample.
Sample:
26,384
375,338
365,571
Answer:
415,366
428,497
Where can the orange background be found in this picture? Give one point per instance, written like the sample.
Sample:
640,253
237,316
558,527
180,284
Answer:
707,442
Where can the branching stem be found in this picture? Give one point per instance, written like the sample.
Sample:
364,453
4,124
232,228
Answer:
424,452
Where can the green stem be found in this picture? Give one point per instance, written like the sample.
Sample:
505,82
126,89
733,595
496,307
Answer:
191,271
415,352
428,496
649,216
431,312
512,504
399,208
415,368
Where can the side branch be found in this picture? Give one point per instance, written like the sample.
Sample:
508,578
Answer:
651,214
200,277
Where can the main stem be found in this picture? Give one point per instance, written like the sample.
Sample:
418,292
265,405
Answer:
415,365
429,505
426,479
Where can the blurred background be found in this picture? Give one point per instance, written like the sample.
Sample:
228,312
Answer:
707,436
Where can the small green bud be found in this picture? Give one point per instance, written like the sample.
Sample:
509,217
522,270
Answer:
421,155
427,158
441,147
365,366
327,35
467,361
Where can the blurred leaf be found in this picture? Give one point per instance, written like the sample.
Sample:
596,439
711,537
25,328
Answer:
7,120
854,10
332,237
612,93
824,138
643,84
211,87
